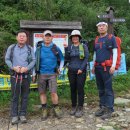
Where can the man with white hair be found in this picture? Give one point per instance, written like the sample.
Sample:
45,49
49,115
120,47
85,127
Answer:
105,57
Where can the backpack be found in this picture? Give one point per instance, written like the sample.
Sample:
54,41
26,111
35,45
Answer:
109,62
53,49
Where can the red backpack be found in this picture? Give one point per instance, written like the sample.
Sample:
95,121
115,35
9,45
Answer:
109,62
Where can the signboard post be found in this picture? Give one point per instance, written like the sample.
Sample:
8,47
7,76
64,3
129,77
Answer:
110,19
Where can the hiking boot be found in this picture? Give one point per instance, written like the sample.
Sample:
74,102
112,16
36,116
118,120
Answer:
100,111
23,119
107,114
79,112
58,112
15,120
44,114
73,111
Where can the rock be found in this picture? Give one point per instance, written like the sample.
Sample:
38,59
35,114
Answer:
98,120
79,120
15,128
112,123
91,116
78,126
115,114
85,104
127,96
99,125
107,128
122,101
122,120
57,122
124,125
126,109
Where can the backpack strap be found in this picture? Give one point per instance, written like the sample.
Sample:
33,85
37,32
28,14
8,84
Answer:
55,50
96,39
29,58
12,51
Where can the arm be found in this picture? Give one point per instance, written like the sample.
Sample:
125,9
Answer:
114,52
7,57
61,59
114,57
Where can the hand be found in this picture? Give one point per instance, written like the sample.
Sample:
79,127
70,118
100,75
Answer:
93,70
33,79
58,71
79,72
17,69
23,69
112,70
65,44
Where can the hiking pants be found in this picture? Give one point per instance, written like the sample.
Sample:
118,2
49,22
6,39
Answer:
17,92
104,85
77,82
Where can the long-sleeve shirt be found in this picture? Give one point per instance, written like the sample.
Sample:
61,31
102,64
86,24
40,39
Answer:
72,55
20,57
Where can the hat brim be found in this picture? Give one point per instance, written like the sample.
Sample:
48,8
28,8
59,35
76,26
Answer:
70,37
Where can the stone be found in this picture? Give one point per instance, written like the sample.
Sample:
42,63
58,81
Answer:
85,104
122,101
124,125
108,128
127,96
99,125
79,120
126,109
122,120
112,123
78,126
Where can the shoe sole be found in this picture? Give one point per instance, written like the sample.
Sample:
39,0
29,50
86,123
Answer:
15,123
23,122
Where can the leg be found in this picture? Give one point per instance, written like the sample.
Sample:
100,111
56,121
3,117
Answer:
72,79
24,96
53,89
42,83
80,87
15,97
81,78
100,85
109,95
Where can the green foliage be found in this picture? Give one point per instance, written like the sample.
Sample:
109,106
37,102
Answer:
86,11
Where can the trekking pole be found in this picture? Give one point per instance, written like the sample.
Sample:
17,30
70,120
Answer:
16,81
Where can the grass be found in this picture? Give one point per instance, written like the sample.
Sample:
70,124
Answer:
121,85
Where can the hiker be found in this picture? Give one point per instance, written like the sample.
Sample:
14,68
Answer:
47,57
77,56
20,59
105,48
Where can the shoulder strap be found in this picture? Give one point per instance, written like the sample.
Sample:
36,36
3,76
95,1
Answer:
39,44
55,50
12,51
29,49
96,39
110,36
